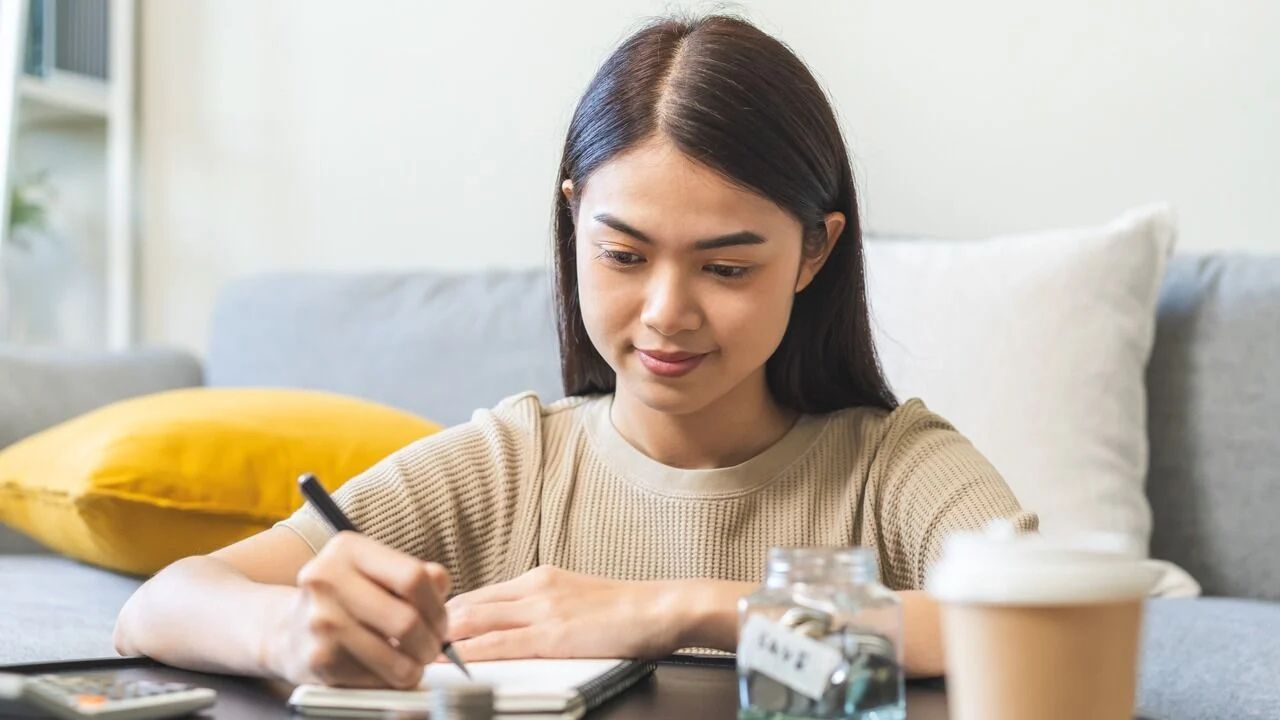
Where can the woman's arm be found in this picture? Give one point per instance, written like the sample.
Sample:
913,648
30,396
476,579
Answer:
180,616
552,612
237,611
204,614
710,619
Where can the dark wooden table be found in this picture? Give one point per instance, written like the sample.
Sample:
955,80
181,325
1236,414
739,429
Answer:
696,689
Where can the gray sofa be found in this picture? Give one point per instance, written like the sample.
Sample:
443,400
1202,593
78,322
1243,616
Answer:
442,345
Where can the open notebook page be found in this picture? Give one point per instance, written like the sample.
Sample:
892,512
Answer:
520,686
522,678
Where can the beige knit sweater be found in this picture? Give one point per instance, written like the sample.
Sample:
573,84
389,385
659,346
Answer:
526,484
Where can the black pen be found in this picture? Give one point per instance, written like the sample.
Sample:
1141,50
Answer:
313,491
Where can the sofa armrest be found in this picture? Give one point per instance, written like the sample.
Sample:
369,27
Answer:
40,388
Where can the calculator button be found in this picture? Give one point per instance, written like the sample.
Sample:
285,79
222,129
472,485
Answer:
85,700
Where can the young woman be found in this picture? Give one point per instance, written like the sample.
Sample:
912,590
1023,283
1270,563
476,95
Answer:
723,396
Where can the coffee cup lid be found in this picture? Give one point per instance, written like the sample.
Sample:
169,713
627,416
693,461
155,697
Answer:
1004,567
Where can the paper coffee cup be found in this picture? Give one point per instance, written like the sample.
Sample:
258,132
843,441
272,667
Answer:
1038,626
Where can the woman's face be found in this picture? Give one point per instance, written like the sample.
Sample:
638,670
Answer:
685,281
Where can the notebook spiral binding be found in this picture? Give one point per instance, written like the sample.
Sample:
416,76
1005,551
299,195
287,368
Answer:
595,692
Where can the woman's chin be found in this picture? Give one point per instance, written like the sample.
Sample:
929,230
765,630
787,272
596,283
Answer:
662,395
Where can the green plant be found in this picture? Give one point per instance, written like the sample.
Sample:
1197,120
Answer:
28,207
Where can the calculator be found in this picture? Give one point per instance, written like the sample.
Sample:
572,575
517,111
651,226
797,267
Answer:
103,695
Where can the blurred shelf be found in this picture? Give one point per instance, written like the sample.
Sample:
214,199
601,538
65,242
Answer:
68,91
96,35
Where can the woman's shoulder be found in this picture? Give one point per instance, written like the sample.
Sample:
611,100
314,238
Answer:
525,416
917,446
904,435
889,423
914,415
511,433
529,408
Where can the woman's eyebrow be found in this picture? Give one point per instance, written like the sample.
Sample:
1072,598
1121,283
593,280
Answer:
742,237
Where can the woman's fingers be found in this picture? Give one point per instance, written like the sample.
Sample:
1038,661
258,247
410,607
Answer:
396,668
500,592
500,645
344,652
405,576
470,620
382,606
391,617
514,589
439,578
349,672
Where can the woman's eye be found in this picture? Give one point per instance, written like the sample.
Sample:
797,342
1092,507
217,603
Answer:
627,259
729,272
621,258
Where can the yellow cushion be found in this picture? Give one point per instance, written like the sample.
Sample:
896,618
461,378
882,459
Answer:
137,484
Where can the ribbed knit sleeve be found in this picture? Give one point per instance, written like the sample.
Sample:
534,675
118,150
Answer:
927,481
465,497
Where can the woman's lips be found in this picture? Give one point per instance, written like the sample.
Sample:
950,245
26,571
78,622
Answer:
670,364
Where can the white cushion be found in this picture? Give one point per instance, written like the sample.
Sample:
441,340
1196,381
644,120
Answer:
1035,347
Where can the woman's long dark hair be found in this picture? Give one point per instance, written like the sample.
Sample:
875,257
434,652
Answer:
741,103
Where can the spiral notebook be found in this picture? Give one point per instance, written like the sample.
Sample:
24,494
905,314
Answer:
526,689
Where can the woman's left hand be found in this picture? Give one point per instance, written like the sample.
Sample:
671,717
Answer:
550,612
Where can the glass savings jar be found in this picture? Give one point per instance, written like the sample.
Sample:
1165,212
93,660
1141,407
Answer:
821,639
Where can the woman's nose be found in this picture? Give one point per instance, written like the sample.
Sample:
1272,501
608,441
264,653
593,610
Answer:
669,306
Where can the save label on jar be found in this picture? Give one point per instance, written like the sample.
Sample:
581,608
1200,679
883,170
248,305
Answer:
793,659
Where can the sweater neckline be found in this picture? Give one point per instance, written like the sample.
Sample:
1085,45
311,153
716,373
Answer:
751,474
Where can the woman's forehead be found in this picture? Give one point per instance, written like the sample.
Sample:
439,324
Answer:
656,186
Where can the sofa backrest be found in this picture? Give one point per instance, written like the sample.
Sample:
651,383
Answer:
442,345
1213,389
437,344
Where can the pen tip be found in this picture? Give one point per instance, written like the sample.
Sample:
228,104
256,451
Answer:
453,655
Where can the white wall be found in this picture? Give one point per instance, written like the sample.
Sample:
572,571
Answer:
349,135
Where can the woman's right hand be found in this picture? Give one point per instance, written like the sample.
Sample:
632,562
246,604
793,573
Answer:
365,615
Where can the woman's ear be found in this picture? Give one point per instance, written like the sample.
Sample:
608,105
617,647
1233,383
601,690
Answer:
566,188
812,262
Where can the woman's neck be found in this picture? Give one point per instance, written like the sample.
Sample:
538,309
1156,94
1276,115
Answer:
728,431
